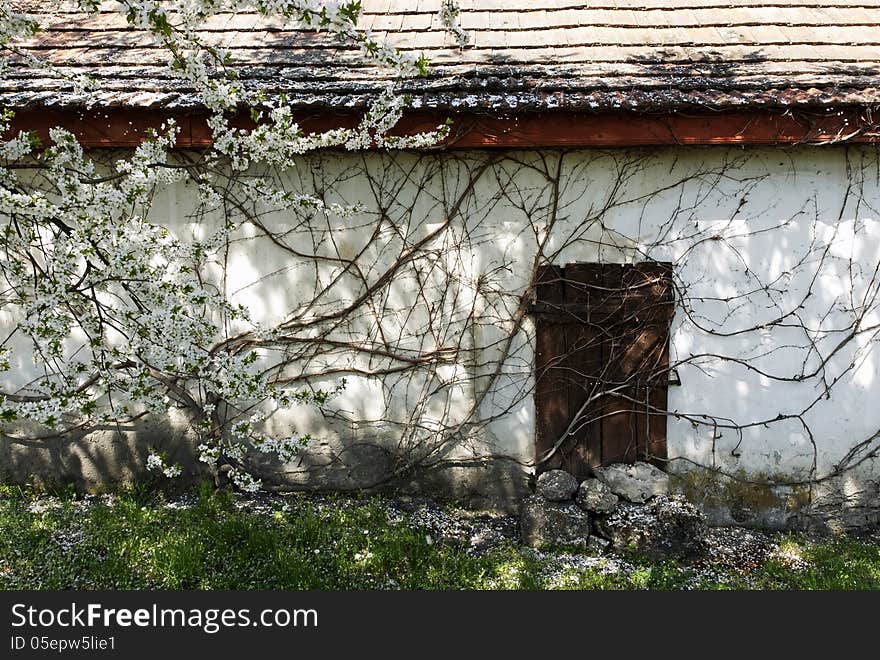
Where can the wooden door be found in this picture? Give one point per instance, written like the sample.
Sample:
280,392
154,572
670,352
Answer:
602,364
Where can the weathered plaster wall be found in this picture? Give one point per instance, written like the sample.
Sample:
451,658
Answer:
775,252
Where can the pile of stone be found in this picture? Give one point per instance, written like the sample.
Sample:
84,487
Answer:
626,507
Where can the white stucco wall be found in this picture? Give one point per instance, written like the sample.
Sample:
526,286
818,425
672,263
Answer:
779,223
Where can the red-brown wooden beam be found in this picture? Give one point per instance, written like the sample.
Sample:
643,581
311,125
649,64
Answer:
127,127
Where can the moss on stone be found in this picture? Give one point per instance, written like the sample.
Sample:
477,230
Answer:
746,497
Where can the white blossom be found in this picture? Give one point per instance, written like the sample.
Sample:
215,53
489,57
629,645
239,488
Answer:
157,464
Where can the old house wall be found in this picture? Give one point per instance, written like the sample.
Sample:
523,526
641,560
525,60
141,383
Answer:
419,300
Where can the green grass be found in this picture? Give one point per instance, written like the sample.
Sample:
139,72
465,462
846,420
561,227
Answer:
839,563
136,543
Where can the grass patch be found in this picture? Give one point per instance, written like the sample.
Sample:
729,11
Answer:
837,564
131,544
138,541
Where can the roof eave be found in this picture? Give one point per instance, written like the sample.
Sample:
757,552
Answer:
850,118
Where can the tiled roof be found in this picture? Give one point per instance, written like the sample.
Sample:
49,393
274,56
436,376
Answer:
523,55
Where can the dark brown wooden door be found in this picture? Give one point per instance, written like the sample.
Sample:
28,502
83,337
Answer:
602,364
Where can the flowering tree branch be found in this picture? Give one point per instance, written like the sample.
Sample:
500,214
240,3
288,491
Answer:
118,312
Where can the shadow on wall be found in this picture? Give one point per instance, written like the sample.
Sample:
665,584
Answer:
97,459
498,484
345,464
102,459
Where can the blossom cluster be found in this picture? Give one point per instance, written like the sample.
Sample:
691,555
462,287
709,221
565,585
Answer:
156,463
